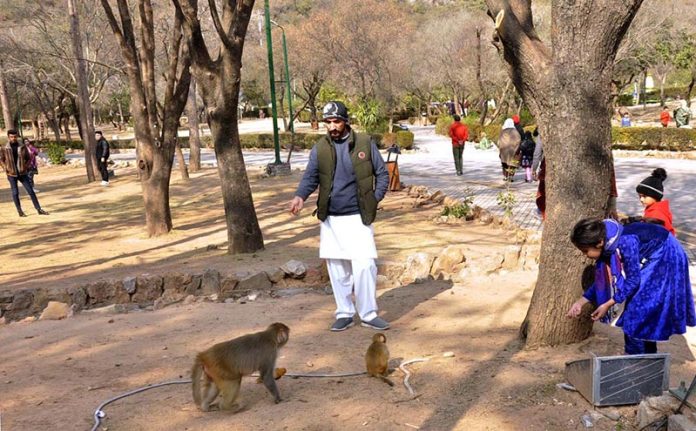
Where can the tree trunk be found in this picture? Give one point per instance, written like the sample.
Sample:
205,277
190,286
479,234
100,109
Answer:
243,231
182,163
566,86
194,131
4,99
66,127
85,105
158,216
690,88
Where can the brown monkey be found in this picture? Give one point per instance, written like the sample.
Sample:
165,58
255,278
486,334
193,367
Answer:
377,359
222,366
277,374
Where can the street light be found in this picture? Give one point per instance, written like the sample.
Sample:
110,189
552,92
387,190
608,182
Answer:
271,76
287,75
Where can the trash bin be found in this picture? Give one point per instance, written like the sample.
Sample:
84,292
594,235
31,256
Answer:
393,168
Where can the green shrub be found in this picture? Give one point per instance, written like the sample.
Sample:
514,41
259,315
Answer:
460,210
653,138
389,139
55,153
443,124
305,116
405,139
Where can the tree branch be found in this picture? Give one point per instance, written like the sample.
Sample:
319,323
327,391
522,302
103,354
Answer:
218,26
194,36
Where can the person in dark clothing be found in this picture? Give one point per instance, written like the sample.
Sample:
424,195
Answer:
352,179
527,147
102,154
15,159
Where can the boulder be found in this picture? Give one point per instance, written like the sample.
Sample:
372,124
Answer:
258,281
210,283
294,269
228,285
148,288
681,423
55,311
276,275
384,282
194,286
653,408
314,276
100,292
129,285
21,300
438,197
417,267
448,258
168,298
176,282
487,264
392,270
530,256
511,257
78,297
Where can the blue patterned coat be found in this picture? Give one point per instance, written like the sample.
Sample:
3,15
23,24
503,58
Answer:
655,285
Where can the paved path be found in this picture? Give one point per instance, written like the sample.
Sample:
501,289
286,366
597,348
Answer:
432,166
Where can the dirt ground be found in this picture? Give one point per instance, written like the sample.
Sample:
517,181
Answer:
53,374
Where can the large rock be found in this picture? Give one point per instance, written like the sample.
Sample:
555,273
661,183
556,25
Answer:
21,300
417,267
100,292
681,423
486,264
228,285
511,257
129,285
294,269
148,288
392,270
258,281
176,282
210,284
653,408
55,311
168,298
447,260
194,287
530,256
384,282
438,197
276,275
78,297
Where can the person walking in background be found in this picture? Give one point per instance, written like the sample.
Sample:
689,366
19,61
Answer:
15,159
459,134
102,154
508,143
650,192
352,179
33,165
518,126
664,116
682,114
646,268
527,148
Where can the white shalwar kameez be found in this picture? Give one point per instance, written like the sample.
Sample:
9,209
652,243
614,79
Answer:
350,252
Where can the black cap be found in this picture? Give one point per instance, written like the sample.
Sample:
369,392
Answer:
652,186
335,109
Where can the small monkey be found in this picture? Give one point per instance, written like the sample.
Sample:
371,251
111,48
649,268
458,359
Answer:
222,366
377,359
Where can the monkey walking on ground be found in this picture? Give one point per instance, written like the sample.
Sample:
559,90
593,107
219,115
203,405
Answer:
222,366
377,359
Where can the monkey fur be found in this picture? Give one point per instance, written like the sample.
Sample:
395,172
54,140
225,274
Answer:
377,359
220,368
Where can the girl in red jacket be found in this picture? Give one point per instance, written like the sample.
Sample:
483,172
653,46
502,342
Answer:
650,192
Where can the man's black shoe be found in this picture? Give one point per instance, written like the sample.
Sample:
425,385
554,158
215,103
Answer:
21,214
42,212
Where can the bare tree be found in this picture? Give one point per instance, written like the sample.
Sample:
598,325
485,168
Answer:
84,104
567,86
155,133
6,112
218,80
194,131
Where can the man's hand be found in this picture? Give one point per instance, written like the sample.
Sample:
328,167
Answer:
296,205
601,310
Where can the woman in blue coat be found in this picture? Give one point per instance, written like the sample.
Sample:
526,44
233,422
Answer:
643,266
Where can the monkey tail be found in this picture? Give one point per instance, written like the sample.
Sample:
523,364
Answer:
196,374
386,380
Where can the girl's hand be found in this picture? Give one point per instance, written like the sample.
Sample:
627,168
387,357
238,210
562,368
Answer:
576,308
601,311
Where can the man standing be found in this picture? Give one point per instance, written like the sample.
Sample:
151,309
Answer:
102,154
459,134
15,160
349,171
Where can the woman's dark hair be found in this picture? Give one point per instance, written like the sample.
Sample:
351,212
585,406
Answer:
588,232
456,118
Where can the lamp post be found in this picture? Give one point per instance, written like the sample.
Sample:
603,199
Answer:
271,76
287,75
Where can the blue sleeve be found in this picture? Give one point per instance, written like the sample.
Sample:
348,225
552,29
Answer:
630,259
381,174
310,179
590,295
